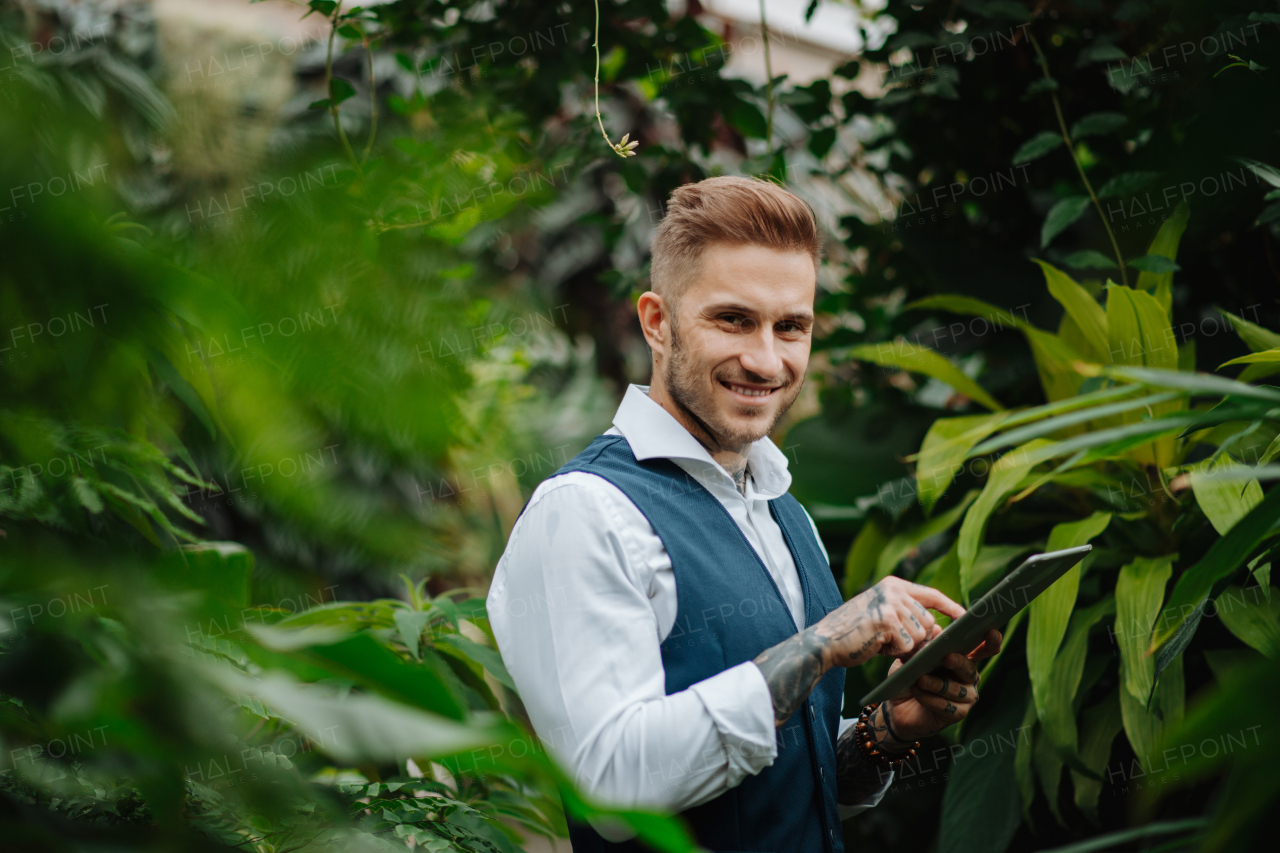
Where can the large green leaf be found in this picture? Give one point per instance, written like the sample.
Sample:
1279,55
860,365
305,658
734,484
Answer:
1048,766
1051,610
1251,618
1270,356
944,450
362,659
980,805
1224,556
904,543
1224,501
1054,357
1088,315
1146,726
1005,475
917,359
1057,716
1099,727
1255,337
1202,384
1139,591
864,553
1165,244
1138,331
1062,422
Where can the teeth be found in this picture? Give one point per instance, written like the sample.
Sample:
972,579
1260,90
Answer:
751,392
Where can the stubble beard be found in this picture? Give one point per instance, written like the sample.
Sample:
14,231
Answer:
682,380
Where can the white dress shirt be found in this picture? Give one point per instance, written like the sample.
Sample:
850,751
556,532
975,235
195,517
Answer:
583,597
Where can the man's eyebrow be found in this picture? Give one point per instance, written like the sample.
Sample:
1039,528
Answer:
806,316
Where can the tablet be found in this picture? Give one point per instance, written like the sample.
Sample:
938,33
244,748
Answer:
1014,592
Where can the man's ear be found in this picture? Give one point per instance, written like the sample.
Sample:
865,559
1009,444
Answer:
653,320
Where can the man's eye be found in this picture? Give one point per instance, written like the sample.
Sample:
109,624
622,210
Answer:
733,319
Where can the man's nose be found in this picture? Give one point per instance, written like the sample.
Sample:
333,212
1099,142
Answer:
760,354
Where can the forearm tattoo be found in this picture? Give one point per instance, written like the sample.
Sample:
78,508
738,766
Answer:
791,669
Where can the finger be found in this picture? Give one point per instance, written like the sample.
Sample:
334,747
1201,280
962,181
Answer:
922,612
941,706
990,646
896,665
934,600
935,631
964,669
896,638
956,691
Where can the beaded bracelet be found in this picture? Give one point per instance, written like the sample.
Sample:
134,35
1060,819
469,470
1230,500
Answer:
866,740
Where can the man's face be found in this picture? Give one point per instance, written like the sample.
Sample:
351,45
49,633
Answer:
740,338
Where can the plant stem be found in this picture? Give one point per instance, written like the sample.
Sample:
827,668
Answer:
373,104
597,47
328,84
1066,137
768,73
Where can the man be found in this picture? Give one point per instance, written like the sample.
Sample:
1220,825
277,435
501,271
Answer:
667,610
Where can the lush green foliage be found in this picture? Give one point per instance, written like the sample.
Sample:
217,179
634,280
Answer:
251,425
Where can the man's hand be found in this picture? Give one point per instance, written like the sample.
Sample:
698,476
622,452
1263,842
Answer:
891,618
937,701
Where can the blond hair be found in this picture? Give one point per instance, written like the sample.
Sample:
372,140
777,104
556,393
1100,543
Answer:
732,211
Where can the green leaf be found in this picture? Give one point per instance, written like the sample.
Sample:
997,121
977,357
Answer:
1138,331
1036,147
1199,384
410,624
1154,264
1062,216
1127,836
1039,86
1271,356
1127,183
1224,556
1096,124
943,452
1255,337
990,564
1088,315
1066,421
1165,244
917,359
1051,610
322,104
1054,358
1022,764
1048,766
747,118
1267,173
1089,259
904,543
483,655
1100,52
1005,475
1055,706
1139,591
340,90
1224,501
355,728
864,553
1145,726
365,661
1251,618
1099,727
980,804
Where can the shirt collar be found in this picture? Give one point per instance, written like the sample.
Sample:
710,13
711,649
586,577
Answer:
653,433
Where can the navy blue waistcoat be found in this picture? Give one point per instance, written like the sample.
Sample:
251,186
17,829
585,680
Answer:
728,611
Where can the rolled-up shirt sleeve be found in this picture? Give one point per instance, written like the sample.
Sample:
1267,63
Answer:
570,608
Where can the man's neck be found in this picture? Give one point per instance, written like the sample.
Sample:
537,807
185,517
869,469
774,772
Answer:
732,459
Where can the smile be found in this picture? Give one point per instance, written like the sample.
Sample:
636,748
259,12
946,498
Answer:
748,391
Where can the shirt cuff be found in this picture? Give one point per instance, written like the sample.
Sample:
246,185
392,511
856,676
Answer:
868,802
741,706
